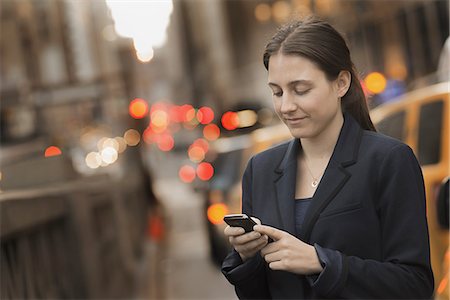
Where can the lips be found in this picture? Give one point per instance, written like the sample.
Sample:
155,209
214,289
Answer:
295,120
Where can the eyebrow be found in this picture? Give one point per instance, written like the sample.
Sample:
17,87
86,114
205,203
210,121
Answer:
293,83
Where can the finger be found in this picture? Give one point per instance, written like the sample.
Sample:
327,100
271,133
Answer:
272,232
252,246
270,248
245,238
233,231
277,265
275,256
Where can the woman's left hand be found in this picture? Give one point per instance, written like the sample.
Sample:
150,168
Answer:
288,253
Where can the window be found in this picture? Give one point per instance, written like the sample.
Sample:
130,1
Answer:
430,128
393,125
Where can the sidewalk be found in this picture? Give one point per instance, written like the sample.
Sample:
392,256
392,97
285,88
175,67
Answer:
180,267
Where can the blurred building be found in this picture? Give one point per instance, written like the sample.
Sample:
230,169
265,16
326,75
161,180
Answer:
224,41
67,214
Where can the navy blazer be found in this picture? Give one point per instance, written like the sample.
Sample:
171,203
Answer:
367,221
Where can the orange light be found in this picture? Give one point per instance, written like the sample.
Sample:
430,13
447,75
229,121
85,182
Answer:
211,132
205,171
230,120
183,110
205,115
263,12
190,114
375,82
158,106
176,114
281,11
159,120
202,143
186,173
196,153
216,212
149,135
138,108
52,151
165,142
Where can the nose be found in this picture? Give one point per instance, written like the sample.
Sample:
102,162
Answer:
288,104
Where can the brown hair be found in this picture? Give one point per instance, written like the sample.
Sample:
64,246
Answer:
319,42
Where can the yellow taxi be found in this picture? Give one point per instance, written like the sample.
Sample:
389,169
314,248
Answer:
421,120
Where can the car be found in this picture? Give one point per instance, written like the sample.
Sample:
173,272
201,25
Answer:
421,119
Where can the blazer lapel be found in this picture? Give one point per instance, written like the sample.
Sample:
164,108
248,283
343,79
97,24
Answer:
333,180
335,175
285,187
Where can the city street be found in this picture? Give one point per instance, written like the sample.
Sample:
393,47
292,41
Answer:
184,269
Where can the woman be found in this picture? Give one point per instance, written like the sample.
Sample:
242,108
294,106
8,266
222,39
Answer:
344,205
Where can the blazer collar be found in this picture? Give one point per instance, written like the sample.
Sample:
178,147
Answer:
344,154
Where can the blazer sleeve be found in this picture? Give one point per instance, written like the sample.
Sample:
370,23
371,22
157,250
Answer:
249,278
405,270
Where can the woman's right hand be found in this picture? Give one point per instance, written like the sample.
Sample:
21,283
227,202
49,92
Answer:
246,244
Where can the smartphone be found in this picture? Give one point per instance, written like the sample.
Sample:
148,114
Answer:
240,220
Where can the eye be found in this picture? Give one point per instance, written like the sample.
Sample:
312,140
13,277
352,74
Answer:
277,93
303,92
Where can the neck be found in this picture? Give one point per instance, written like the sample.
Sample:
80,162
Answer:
322,145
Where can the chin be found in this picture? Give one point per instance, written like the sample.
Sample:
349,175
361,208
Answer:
300,133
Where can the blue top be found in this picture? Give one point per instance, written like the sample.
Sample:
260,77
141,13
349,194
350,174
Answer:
301,206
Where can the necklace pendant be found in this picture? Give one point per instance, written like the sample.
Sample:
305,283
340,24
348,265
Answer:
314,183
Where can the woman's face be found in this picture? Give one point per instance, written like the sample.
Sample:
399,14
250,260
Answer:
302,96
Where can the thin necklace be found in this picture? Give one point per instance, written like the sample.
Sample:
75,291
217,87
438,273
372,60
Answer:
315,181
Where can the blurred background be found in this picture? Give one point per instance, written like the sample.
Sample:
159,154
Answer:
126,125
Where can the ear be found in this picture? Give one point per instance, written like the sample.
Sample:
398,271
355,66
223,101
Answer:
343,82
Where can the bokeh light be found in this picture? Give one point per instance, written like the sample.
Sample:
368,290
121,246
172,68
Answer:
122,143
230,120
247,118
52,151
211,132
375,82
138,108
186,173
109,155
196,153
216,212
149,135
202,143
107,142
165,142
263,12
281,11
205,115
190,114
205,171
93,160
132,137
